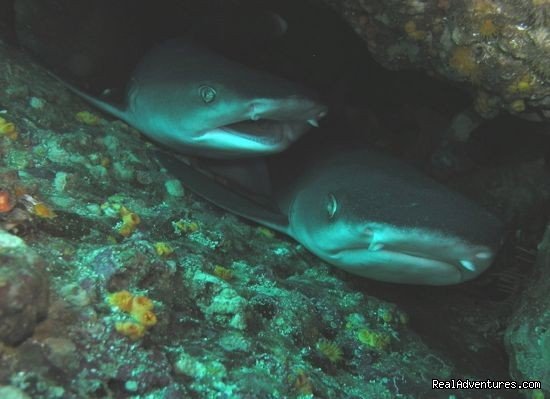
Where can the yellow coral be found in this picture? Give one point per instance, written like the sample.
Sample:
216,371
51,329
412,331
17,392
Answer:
523,85
43,211
130,329
8,129
141,304
139,307
302,383
483,7
488,28
185,226
264,231
373,339
517,106
130,220
87,118
147,318
330,350
121,299
462,60
223,273
412,32
163,249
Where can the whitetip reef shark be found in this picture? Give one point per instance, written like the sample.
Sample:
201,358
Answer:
370,215
199,103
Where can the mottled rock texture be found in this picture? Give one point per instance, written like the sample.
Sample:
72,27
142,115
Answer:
528,335
497,49
23,289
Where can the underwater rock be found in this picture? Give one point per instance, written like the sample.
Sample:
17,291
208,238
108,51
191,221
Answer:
274,321
498,50
24,289
527,337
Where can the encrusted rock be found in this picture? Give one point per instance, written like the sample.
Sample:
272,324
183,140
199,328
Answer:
23,289
498,49
527,338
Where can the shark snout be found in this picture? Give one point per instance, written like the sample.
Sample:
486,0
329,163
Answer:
293,109
394,254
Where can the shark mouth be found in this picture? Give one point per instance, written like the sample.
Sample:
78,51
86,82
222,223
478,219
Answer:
411,256
268,132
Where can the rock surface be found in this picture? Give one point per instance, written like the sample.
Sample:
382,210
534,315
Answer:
24,289
498,50
528,334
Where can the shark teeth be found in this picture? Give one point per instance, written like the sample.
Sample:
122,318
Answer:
313,122
468,265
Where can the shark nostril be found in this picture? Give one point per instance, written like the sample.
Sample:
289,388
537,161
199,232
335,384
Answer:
376,247
367,235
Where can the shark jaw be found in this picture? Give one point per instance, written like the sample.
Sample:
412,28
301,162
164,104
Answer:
400,255
266,130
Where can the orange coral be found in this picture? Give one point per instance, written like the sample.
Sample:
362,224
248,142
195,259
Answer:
141,304
130,220
147,318
488,28
43,211
139,307
130,329
121,299
6,201
462,60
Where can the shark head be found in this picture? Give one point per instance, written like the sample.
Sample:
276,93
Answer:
243,121
380,219
192,99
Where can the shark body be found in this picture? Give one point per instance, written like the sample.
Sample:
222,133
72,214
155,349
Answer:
197,102
372,216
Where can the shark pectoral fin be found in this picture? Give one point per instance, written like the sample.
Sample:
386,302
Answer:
222,196
250,174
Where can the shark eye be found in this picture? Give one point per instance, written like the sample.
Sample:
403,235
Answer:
207,93
332,205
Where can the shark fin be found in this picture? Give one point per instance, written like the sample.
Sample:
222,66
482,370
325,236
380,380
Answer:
223,196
